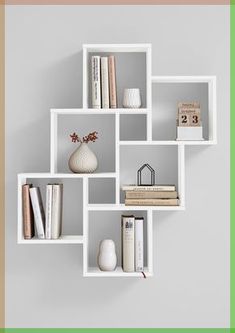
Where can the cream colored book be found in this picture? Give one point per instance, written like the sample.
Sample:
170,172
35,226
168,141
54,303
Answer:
139,244
148,188
128,243
57,202
104,82
152,202
151,194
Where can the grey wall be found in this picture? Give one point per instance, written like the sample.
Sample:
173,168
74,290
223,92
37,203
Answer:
44,284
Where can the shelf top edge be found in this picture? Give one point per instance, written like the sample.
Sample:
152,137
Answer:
98,111
182,78
123,46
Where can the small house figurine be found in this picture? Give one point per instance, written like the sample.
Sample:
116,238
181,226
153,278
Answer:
152,175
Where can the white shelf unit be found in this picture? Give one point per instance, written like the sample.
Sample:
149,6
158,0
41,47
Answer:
121,146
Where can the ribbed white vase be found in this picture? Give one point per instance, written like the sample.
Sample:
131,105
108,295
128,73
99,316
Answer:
131,98
83,160
107,258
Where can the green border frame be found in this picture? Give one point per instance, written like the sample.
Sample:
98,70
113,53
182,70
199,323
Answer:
232,165
232,231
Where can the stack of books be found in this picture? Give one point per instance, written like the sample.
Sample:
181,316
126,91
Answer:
132,243
157,195
103,82
48,226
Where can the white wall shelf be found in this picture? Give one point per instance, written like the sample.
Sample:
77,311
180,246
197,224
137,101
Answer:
154,140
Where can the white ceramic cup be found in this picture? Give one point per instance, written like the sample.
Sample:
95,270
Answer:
132,98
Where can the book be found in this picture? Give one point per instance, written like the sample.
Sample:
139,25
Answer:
38,211
188,105
151,202
128,243
151,194
48,210
95,82
148,188
139,244
112,82
104,82
27,211
57,202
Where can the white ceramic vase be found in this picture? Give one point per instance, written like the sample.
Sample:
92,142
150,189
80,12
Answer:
132,98
107,258
83,160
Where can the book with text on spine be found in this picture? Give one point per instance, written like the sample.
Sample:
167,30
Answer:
38,211
27,210
139,244
95,82
104,82
152,202
148,188
128,243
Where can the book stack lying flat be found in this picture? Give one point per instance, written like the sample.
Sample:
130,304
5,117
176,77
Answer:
103,82
33,212
132,243
157,195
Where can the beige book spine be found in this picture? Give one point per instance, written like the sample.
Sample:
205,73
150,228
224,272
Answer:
28,220
151,195
152,202
148,188
112,82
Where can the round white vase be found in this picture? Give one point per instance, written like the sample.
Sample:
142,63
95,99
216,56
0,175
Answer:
83,160
131,98
107,258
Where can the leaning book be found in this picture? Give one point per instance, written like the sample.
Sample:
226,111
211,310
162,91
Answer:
38,211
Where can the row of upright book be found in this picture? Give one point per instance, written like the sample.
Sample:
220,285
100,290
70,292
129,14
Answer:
103,82
156,195
47,224
132,243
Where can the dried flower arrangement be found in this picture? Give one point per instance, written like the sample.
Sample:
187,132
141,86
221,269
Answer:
91,137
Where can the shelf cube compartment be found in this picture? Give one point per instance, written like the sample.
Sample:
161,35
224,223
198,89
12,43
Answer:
107,225
102,190
167,162
72,209
168,92
63,124
133,127
133,70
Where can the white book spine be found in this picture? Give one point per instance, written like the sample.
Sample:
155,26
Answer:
57,202
95,82
104,82
128,243
39,216
139,244
48,211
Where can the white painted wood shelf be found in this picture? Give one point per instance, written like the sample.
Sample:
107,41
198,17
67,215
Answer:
155,112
